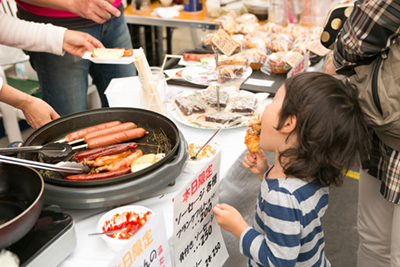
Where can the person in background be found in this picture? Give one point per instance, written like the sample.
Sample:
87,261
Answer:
371,28
315,128
64,79
39,37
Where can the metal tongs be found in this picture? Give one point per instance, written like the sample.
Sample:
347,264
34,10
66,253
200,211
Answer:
64,168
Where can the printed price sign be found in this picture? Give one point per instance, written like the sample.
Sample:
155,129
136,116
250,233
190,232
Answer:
301,66
317,48
224,42
147,248
198,241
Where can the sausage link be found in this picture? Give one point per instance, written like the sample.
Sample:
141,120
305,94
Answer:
115,129
195,57
81,133
92,154
98,176
116,138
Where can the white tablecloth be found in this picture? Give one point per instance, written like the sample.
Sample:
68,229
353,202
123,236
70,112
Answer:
239,188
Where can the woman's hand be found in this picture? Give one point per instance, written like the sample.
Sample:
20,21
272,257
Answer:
37,112
77,43
257,163
230,219
97,10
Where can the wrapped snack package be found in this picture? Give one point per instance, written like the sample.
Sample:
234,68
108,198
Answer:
244,103
236,59
256,42
209,96
229,73
279,44
271,27
257,58
276,63
228,24
248,27
247,18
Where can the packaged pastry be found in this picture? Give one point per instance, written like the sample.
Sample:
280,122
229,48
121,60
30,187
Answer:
247,27
244,103
279,45
298,30
255,42
189,105
300,48
236,59
228,24
257,58
246,18
210,97
223,117
271,27
207,41
258,33
276,63
227,73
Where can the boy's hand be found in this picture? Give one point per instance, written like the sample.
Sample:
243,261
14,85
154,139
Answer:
230,219
256,163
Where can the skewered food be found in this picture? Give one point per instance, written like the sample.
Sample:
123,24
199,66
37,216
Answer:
252,138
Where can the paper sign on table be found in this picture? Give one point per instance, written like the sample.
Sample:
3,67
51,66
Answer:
198,241
147,248
224,42
301,66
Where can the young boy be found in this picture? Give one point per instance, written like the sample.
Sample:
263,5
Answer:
314,127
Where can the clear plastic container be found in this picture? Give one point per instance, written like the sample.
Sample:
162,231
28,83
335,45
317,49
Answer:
154,92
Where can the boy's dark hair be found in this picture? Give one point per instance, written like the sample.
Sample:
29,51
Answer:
331,132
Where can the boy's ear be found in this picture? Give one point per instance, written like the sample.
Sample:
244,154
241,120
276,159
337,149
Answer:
289,125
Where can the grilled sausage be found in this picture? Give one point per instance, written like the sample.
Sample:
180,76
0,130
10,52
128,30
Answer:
195,57
128,51
81,133
107,131
122,163
98,176
105,160
93,154
116,138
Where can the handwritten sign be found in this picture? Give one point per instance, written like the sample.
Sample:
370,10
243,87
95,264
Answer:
301,66
317,48
224,42
147,248
198,241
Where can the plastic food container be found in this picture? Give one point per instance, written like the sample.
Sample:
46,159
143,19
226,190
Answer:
112,218
204,156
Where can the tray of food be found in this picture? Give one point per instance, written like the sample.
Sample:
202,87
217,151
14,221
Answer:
204,110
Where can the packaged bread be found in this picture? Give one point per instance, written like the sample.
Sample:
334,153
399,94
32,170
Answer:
227,73
189,105
246,18
300,48
210,97
258,33
247,27
228,24
236,59
279,45
244,103
255,42
257,58
276,63
271,27
223,117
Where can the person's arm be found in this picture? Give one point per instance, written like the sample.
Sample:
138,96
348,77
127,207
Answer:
97,10
44,37
37,112
370,29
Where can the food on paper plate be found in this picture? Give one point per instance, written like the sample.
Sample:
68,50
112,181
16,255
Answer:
189,105
252,138
112,53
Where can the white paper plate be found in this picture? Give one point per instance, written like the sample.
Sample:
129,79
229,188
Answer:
122,60
203,74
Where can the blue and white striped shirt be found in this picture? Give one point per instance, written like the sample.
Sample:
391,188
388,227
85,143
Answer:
287,229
